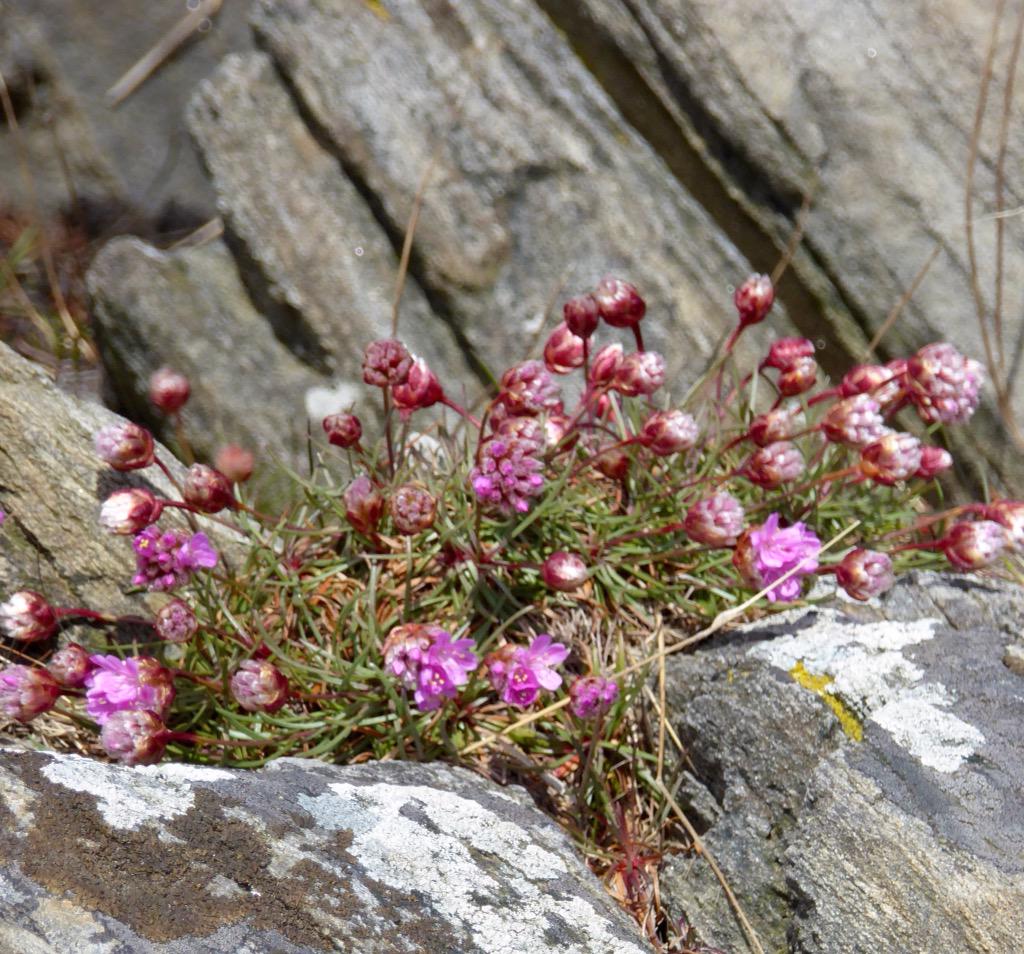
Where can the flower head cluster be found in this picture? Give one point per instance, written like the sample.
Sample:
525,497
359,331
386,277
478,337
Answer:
528,388
26,691
137,682
428,661
518,673
27,617
134,737
508,475
943,385
165,559
592,696
767,553
259,686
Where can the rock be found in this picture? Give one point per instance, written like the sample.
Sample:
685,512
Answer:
297,857
866,764
188,309
867,105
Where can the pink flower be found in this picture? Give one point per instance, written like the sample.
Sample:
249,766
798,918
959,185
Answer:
528,388
259,686
766,553
165,559
138,682
507,475
943,384
134,737
427,660
386,363
519,673
854,421
419,390
26,692
715,521
592,696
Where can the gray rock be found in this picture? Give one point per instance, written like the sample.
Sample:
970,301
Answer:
189,309
298,857
867,767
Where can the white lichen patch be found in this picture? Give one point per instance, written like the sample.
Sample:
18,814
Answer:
128,798
18,799
433,849
873,678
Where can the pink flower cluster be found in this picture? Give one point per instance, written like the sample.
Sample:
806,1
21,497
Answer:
165,559
428,661
508,474
518,673
765,554
118,685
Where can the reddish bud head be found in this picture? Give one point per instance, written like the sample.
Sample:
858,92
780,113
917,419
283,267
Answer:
386,363
413,509
27,617
619,303
259,686
176,622
564,572
971,546
343,430
125,446
207,489
934,460
777,425
785,352
642,372
1010,514
943,384
528,388
606,364
772,466
669,432
799,377
754,299
26,692
715,521
892,458
865,573
880,382
169,390
556,429
134,737
592,696
420,390
235,463
70,665
129,511
854,421
364,506
581,315
564,351
613,463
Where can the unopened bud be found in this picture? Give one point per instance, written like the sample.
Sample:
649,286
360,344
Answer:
592,696
754,299
943,384
582,315
619,302
235,463
134,737
715,521
770,467
669,432
259,686
878,381
27,617
386,363
419,390
865,573
176,622
1010,514
26,691
70,665
364,506
528,388
892,458
564,572
563,351
169,390
854,421
785,352
129,511
934,460
207,489
606,364
971,546
799,377
343,430
125,446
413,509
613,463
780,424
642,372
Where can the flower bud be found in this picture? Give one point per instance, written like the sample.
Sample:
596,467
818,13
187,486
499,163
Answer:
207,489
364,506
564,351
669,432
715,521
129,511
799,377
259,686
934,460
528,388
971,546
893,457
943,384
413,510
419,390
386,363
606,364
556,429
343,430
865,573
176,622
642,372
134,737
564,572
613,463
880,382
619,302
26,691
592,696
169,390
854,421
774,465
780,424
27,617
1010,514
581,315
125,446
235,463
70,665
754,299
785,352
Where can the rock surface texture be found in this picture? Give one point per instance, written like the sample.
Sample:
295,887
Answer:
299,857
866,764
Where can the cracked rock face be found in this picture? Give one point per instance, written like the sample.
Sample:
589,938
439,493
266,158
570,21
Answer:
865,761
298,857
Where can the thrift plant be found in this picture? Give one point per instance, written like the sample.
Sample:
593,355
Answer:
488,585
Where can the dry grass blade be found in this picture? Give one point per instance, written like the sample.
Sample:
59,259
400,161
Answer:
797,235
897,309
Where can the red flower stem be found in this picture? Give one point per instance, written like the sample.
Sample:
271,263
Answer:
183,442
207,681
461,411
638,336
82,613
389,438
167,473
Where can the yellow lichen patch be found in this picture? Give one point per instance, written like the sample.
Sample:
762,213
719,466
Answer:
378,7
818,683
